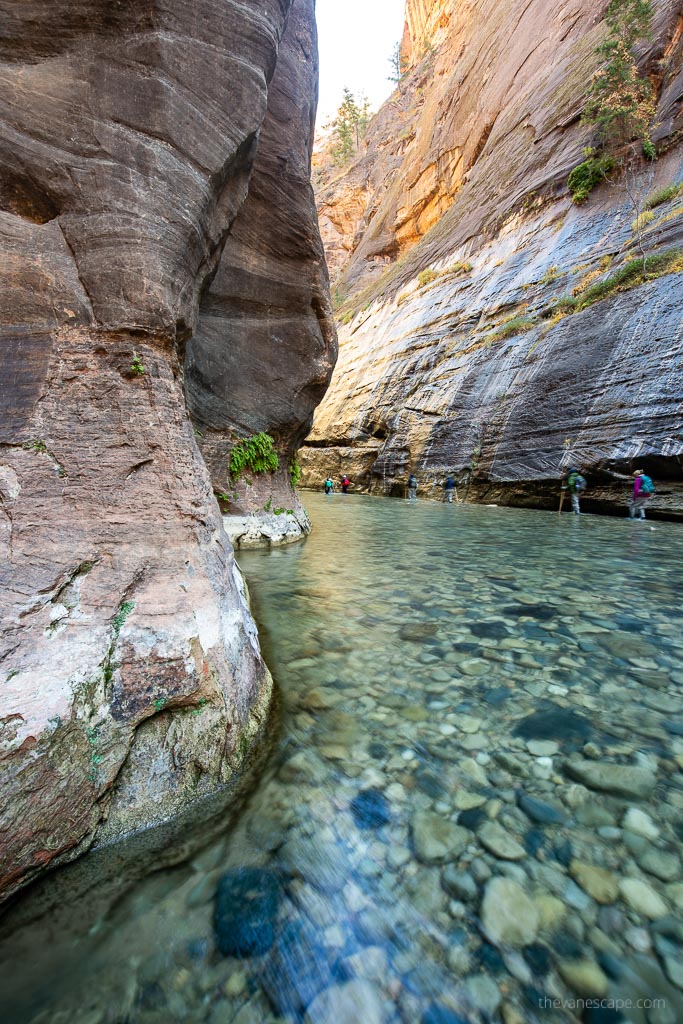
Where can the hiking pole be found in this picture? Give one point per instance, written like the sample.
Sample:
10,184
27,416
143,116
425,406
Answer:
562,493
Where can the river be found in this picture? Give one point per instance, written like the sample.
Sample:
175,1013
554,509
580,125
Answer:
473,810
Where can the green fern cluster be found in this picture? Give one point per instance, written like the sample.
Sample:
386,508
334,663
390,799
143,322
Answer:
295,470
256,453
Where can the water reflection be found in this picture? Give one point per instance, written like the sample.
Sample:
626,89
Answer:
475,808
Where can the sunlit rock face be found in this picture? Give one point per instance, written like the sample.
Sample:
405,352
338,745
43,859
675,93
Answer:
452,235
427,24
131,676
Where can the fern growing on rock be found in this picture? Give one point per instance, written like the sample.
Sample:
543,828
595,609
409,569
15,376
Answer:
256,454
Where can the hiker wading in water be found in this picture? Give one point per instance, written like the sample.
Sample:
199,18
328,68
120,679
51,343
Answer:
576,484
643,489
412,487
449,489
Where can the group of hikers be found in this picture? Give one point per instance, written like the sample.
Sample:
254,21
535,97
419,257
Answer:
643,489
448,489
344,483
574,483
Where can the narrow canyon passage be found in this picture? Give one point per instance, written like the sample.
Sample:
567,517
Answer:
473,807
425,766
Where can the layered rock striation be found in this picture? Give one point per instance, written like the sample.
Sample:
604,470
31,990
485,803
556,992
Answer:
132,135
266,317
454,247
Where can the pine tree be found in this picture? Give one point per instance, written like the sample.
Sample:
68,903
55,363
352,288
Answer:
396,62
621,102
349,127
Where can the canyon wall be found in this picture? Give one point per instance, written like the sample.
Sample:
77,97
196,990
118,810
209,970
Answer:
453,242
266,317
132,679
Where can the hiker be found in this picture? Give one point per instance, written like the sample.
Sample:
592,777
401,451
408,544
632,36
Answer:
448,489
329,486
412,487
643,489
345,484
575,485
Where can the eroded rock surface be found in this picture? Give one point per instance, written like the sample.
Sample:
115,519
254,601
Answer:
451,238
131,675
267,316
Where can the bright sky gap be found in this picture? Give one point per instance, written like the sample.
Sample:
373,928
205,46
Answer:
356,39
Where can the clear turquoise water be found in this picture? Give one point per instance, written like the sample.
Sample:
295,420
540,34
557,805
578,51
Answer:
408,643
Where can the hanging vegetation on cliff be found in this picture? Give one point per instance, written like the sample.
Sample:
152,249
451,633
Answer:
620,102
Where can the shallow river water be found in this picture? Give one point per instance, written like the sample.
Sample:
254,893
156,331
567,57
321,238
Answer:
474,809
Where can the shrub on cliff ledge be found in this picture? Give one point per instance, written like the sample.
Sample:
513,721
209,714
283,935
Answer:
642,220
588,174
663,195
628,275
256,453
426,277
518,325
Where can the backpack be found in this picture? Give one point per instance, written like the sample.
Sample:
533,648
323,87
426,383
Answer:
646,485
576,482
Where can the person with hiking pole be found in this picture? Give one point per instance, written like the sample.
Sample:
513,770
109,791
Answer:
576,483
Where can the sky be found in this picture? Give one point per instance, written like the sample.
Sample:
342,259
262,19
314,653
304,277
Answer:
356,38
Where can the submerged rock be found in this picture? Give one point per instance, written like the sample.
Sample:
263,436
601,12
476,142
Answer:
245,913
542,612
585,977
555,723
622,780
297,969
490,630
437,839
539,811
599,883
436,1013
509,916
320,862
418,631
499,842
642,898
347,1004
370,809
